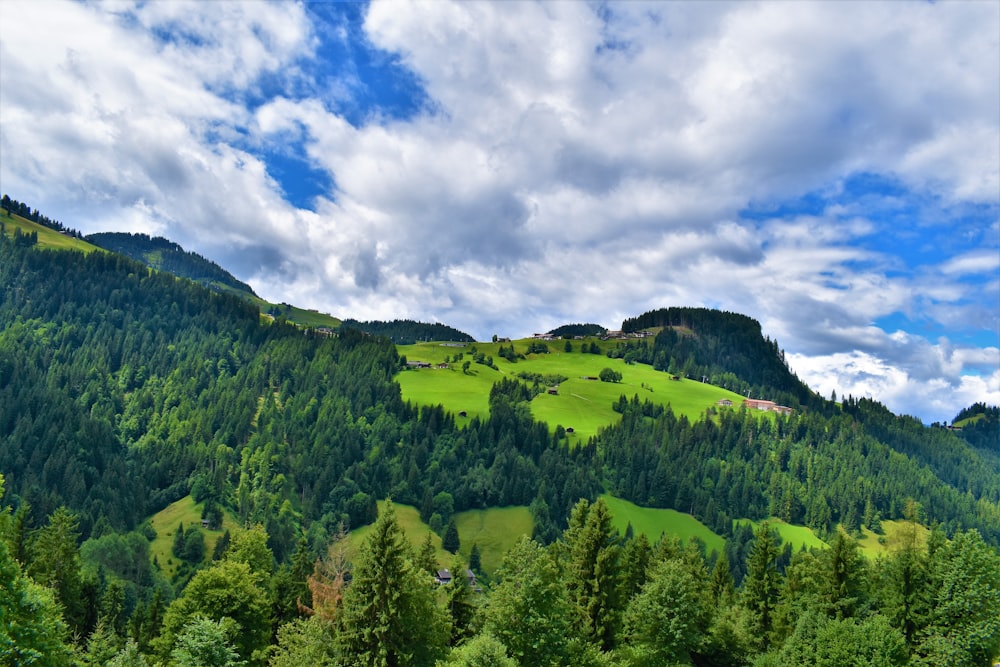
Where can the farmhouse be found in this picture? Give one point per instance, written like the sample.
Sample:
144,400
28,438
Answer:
758,404
725,402
767,406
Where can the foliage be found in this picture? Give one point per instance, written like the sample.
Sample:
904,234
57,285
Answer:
389,616
163,255
407,332
529,612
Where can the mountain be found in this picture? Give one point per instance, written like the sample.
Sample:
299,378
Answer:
124,390
158,253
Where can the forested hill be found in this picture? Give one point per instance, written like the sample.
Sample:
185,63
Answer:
407,332
164,255
124,389
726,348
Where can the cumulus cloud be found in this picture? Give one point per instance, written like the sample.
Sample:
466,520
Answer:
571,162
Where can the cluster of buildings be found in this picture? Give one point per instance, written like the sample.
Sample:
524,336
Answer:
758,404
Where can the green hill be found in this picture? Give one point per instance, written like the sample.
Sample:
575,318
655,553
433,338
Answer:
163,255
47,237
581,402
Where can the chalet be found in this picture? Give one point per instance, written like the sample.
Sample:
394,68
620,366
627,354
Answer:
725,402
758,404
443,577
554,391
783,410
442,365
418,364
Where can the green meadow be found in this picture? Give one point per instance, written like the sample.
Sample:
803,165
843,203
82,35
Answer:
653,523
797,536
494,530
581,404
165,522
47,238
893,535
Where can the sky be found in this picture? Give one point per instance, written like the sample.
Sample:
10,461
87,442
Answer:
829,169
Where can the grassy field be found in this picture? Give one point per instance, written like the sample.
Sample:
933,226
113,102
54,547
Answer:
654,522
165,523
494,530
47,238
873,545
581,404
797,536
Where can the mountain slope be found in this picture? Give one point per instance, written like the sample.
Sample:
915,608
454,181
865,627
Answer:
163,255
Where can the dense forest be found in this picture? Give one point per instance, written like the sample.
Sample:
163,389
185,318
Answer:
110,372
164,255
408,332
570,330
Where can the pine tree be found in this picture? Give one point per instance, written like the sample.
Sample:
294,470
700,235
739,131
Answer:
761,584
593,570
389,617
451,542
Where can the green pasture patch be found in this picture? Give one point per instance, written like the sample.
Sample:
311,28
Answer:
581,403
165,523
797,536
653,523
494,530
47,238
895,534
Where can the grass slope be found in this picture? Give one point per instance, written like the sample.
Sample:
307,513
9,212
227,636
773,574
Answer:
165,523
495,530
894,532
581,404
47,238
797,536
300,316
653,523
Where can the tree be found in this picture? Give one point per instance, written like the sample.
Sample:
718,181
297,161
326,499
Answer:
964,626
55,563
227,589
31,628
592,570
483,650
760,587
609,375
206,643
461,603
670,616
451,542
389,616
474,559
529,612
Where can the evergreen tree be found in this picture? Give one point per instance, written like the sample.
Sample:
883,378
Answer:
55,562
592,570
389,616
761,585
474,559
450,542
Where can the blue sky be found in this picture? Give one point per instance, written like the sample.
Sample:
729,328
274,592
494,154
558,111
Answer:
832,170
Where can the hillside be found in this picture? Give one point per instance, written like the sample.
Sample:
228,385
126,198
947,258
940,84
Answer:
110,371
162,255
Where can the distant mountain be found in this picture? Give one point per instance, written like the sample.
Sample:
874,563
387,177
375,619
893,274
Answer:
164,255
408,332
578,330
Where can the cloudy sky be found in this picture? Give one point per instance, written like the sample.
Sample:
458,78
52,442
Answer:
831,169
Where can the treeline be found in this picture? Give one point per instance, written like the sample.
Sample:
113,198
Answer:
408,332
14,207
164,255
593,598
